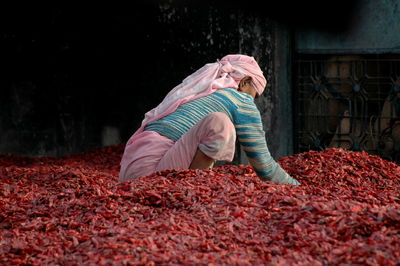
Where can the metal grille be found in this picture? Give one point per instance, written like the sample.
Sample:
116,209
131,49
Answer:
348,101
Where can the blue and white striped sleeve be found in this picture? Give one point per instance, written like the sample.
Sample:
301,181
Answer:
251,137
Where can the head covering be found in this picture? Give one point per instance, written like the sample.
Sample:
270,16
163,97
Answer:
225,73
241,66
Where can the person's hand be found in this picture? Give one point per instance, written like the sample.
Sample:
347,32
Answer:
294,181
289,180
285,179
280,176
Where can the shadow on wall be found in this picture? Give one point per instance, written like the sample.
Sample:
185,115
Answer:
79,78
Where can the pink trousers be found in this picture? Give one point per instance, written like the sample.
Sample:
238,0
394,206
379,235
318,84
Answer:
214,135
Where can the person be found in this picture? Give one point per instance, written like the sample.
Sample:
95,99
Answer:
198,121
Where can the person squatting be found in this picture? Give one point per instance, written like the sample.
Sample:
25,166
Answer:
198,122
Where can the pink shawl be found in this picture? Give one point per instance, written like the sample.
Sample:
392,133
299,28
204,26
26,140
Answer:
225,73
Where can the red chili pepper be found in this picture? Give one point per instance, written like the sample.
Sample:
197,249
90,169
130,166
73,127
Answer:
73,210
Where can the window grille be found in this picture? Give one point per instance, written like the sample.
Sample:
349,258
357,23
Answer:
348,101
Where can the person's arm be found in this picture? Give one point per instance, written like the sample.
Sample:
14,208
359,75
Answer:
251,137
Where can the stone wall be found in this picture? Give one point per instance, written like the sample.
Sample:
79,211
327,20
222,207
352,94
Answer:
78,78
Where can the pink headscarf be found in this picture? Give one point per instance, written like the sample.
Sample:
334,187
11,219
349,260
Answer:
225,73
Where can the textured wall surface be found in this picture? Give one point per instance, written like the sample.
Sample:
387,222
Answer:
78,78
373,28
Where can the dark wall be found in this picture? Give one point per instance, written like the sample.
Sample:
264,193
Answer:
73,72
78,77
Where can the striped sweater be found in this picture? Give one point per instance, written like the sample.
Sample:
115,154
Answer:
243,113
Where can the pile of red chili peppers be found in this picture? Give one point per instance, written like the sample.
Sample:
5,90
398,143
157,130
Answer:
72,210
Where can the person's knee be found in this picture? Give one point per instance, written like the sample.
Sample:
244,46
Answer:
221,137
221,122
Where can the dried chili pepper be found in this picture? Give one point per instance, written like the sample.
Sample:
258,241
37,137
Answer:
72,210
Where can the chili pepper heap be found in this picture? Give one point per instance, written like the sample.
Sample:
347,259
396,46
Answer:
72,210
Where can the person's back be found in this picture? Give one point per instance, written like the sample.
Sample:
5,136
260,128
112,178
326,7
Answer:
226,101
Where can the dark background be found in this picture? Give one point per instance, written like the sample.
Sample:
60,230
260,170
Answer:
70,70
